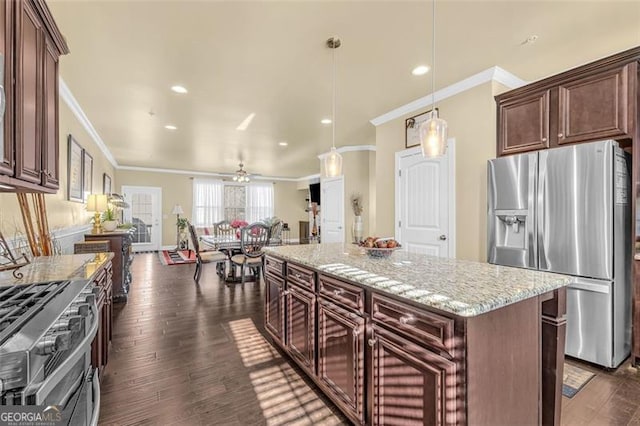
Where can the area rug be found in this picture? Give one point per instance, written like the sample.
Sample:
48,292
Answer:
574,379
180,257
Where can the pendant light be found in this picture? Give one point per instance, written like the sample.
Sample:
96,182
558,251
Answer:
333,160
433,132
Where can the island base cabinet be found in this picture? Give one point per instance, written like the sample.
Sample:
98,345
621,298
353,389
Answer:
274,307
341,358
300,326
411,385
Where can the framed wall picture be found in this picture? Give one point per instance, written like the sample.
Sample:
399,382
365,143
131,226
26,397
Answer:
106,184
412,128
87,172
74,171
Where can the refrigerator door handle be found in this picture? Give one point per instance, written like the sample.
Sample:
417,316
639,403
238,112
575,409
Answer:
532,239
596,288
542,181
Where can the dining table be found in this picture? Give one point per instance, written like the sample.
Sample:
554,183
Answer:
228,244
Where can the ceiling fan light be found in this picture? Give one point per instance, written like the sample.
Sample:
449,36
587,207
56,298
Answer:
333,163
433,136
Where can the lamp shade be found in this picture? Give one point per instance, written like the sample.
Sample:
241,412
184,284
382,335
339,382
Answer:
97,203
333,163
177,209
433,136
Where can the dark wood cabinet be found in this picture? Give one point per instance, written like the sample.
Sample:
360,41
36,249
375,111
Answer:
50,145
6,46
411,385
523,123
32,43
102,342
120,244
582,107
274,307
300,326
595,107
341,357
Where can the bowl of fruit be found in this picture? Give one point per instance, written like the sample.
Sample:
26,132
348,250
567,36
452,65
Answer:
380,247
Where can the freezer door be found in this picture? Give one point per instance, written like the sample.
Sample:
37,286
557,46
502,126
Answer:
511,235
575,208
590,321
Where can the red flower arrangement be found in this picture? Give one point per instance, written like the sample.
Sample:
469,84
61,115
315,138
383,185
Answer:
237,224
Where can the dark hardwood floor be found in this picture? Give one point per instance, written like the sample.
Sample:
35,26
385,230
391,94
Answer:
188,355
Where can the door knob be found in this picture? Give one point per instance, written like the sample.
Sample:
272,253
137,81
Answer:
443,237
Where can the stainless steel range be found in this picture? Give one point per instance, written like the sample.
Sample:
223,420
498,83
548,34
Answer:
46,330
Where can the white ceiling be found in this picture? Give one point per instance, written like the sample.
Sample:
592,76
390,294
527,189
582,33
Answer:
269,58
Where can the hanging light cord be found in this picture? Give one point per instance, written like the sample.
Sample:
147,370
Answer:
433,58
333,107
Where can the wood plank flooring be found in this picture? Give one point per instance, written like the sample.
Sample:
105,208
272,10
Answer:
194,355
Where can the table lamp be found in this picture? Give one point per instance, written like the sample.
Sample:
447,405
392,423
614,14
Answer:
97,203
177,210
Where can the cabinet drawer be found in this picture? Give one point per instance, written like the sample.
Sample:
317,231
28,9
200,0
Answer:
341,292
300,276
275,266
429,328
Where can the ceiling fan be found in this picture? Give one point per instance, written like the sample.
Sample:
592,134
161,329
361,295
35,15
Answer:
241,175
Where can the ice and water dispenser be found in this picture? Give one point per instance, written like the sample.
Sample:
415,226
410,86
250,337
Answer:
511,184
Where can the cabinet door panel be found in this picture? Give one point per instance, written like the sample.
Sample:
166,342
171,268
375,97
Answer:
341,357
29,56
50,149
274,308
6,128
300,327
411,385
523,124
595,107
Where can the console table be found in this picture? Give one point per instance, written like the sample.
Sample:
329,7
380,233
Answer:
120,243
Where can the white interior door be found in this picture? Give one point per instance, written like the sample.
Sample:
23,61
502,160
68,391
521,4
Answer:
332,210
425,202
145,213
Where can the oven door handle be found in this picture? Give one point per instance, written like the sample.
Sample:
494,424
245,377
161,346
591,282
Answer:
96,399
50,382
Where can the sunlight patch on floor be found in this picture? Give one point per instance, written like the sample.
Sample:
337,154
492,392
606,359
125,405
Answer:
253,348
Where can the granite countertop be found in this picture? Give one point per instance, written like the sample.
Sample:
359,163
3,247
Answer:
460,287
72,267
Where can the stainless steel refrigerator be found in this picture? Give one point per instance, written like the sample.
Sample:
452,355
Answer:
567,210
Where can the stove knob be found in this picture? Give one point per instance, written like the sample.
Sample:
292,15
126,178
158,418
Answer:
85,298
82,310
48,345
71,323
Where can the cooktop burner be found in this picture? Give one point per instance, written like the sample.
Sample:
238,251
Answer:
18,304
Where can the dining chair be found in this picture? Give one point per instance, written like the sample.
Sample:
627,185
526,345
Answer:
253,238
217,257
275,233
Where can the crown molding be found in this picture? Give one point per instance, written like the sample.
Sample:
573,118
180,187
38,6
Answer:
72,103
211,174
496,73
349,148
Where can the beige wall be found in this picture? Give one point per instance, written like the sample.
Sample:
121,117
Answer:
60,212
471,119
178,189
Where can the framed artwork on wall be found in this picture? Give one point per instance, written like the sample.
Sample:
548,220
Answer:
106,184
87,172
74,171
412,128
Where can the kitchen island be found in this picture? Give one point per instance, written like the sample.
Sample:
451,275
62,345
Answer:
415,339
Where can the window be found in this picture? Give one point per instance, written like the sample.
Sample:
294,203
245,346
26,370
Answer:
214,201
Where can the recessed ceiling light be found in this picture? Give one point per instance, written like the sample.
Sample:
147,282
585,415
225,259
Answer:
420,70
326,121
283,143
170,127
179,89
245,123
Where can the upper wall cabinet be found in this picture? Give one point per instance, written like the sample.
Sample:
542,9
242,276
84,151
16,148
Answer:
592,102
32,43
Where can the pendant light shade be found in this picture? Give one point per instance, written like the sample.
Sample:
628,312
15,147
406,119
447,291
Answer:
433,132
333,160
333,163
433,136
